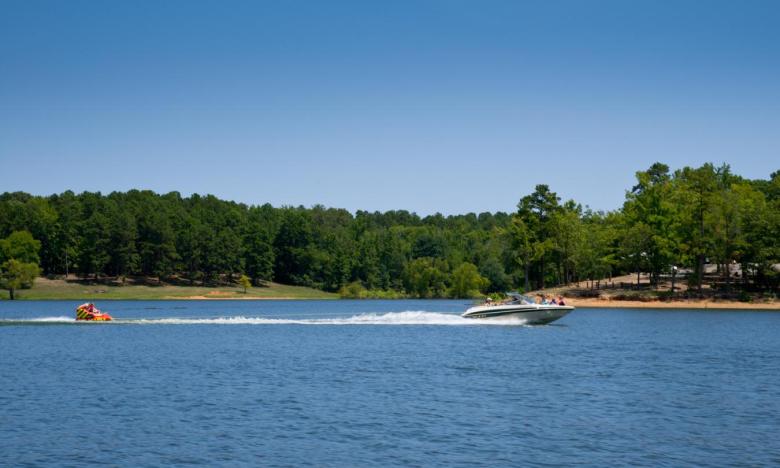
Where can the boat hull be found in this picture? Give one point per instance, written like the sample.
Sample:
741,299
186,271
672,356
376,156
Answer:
530,315
96,318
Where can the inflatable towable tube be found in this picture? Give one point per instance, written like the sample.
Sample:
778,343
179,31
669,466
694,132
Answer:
88,311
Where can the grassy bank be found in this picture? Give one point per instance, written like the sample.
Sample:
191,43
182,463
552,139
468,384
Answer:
77,290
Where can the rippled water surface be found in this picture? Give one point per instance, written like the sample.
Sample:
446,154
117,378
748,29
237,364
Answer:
359,383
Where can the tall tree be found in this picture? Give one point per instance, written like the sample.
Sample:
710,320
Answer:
17,275
94,245
293,248
650,203
694,195
536,211
258,254
123,235
19,256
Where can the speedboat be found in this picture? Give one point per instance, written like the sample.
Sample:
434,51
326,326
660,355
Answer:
519,307
88,311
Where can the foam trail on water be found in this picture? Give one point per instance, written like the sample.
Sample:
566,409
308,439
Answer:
390,318
410,317
61,318
39,321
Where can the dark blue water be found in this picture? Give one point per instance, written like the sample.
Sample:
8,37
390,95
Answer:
344,383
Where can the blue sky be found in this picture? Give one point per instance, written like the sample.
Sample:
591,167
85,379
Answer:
430,106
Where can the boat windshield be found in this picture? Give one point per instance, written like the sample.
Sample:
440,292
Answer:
520,299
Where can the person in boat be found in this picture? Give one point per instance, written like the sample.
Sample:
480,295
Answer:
488,301
560,301
553,301
90,308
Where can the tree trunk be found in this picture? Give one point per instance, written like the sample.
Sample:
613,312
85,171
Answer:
727,271
527,272
700,259
11,293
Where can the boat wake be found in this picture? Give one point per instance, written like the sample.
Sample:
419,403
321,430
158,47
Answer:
390,318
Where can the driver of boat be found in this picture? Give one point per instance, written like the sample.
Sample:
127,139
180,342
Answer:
488,301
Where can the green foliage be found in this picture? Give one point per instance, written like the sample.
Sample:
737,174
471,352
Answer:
21,246
535,227
650,203
15,274
245,282
353,290
259,255
685,218
467,282
356,290
424,278
293,247
495,274
18,261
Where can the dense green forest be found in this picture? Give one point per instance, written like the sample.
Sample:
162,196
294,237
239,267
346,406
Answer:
686,218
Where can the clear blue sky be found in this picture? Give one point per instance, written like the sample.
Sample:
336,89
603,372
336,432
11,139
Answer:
449,106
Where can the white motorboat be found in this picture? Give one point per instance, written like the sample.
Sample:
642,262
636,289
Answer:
519,307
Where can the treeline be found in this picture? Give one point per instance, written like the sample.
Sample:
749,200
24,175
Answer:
687,218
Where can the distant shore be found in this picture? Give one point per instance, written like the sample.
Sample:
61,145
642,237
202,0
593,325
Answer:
675,304
578,303
59,289
624,293
78,290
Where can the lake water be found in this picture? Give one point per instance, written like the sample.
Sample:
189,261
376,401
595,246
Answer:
362,383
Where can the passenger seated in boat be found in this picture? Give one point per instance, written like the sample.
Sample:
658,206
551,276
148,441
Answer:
560,301
553,302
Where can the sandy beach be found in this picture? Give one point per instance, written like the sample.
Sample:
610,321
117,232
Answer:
677,304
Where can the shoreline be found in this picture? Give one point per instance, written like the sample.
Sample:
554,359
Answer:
589,303
234,298
678,304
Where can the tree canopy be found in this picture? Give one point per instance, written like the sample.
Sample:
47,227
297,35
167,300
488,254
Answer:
18,261
687,217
